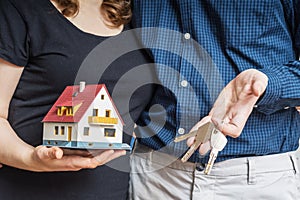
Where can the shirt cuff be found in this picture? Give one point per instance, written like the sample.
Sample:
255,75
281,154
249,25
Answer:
273,90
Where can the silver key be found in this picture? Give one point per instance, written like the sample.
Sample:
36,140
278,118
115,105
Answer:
217,141
202,135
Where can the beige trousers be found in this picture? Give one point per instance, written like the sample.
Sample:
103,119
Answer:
156,176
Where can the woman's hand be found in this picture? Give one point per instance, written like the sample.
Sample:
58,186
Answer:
46,159
16,153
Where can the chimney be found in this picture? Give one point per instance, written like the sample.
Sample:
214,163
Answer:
81,86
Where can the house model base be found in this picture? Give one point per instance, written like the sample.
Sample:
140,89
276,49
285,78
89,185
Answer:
87,145
84,117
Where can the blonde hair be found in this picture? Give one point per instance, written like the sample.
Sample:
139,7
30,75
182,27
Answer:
116,12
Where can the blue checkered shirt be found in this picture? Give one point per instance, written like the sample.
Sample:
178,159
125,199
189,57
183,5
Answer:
199,46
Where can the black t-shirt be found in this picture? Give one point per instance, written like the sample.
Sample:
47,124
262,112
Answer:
55,53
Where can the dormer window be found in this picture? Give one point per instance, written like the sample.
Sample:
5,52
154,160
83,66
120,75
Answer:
61,110
68,108
69,111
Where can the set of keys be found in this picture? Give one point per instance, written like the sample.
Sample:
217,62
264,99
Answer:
205,133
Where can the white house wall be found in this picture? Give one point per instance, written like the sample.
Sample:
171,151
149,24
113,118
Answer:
49,131
96,132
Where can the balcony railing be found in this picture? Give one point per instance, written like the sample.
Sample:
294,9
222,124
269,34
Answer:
102,120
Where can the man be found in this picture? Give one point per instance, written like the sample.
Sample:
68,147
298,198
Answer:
252,48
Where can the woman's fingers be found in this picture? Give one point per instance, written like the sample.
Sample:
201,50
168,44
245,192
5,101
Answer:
75,162
57,152
54,159
46,153
107,156
84,153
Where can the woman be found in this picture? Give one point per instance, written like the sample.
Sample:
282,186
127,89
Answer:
42,46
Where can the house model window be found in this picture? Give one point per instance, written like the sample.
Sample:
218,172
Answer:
56,130
86,131
69,111
102,96
107,113
68,108
110,132
61,110
62,130
95,112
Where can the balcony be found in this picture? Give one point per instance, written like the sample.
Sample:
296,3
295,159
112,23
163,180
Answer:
102,120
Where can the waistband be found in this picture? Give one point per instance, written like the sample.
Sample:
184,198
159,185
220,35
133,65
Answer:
236,166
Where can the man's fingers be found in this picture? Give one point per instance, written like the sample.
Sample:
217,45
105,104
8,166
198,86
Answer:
203,121
260,82
204,148
190,141
228,127
231,130
258,88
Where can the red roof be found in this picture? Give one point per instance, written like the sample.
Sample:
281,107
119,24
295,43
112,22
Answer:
72,97
69,103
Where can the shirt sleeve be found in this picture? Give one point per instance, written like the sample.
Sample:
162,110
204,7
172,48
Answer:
13,35
297,22
283,89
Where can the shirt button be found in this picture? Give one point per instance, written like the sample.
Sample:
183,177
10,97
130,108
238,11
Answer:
187,36
184,83
285,108
181,131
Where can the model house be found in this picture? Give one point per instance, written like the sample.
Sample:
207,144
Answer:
84,116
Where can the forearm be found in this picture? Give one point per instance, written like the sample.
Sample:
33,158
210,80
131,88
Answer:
13,151
16,153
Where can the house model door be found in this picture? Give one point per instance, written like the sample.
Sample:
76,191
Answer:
69,133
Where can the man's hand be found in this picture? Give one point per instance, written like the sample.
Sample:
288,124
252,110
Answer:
234,105
236,101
